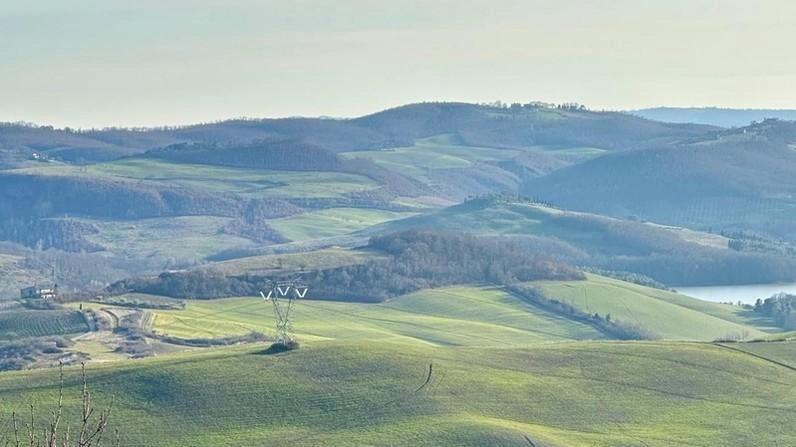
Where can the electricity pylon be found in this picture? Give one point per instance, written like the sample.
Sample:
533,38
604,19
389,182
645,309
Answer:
282,295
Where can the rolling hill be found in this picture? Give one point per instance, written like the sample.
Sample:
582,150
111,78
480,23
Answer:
365,393
479,316
740,179
714,116
668,314
671,255
478,125
463,365
476,325
254,187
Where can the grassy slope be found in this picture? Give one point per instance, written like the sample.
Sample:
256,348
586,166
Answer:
181,238
444,152
364,393
432,153
671,315
323,258
247,182
502,370
461,316
332,222
517,218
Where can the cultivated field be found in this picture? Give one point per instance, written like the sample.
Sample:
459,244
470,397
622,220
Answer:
15,324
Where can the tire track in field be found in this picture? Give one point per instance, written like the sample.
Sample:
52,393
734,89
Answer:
694,365
645,388
757,356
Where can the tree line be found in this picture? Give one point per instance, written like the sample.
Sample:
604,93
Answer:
781,308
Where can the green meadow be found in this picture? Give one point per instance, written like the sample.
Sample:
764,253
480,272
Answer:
358,392
332,222
444,152
671,315
456,316
242,181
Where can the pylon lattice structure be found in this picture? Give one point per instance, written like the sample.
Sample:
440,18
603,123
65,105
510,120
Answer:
283,295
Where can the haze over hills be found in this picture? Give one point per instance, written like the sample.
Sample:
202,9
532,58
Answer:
739,179
254,186
278,260
475,125
714,116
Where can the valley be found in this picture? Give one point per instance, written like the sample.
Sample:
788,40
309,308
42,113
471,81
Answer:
478,275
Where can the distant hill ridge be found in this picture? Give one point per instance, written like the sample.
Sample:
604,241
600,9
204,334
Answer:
476,125
714,116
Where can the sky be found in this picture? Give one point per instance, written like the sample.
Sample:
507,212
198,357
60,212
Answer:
97,63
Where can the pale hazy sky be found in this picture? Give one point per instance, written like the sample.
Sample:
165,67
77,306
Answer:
88,63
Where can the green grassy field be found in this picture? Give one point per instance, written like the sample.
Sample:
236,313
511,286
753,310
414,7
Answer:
518,218
185,238
475,316
332,222
316,259
38,323
365,393
432,153
443,152
246,182
671,315
455,366
457,316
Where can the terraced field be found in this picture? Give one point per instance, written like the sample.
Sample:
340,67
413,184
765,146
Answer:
39,323
355,393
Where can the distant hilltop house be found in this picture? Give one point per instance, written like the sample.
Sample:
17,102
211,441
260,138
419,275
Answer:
38,156
38,292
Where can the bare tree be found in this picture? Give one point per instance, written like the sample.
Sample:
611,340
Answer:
92,425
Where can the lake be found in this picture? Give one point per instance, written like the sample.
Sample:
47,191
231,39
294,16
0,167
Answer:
746,294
